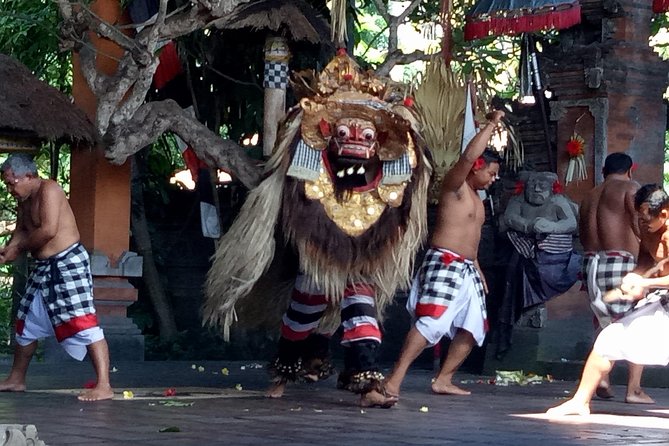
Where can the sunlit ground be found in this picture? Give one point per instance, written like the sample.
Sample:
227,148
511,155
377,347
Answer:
660,421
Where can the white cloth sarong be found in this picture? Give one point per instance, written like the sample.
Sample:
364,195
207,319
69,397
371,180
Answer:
463,302
38,326
639,337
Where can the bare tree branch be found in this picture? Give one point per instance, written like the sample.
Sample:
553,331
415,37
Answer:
395,56
414,4
399,58
123,119
155,118
382,10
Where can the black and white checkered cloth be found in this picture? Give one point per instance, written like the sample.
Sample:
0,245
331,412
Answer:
603,271
306,163
66,284
276,75
397,171
526,245
441,275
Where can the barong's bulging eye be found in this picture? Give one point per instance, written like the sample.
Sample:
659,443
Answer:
368,134
343,131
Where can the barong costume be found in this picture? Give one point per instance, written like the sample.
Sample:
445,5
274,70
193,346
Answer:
447,294
346,192
603,272
58,301
640,336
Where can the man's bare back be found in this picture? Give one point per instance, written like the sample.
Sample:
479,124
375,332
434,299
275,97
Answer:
607,216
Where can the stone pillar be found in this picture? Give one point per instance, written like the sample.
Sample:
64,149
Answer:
100,199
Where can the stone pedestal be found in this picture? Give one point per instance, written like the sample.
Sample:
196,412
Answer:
559,347
19,435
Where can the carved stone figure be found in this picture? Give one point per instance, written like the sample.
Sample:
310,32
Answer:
540,222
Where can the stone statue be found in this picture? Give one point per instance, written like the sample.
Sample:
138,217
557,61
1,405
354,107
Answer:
540,222
539,210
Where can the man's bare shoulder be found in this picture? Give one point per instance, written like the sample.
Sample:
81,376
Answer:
50,191
448,194
616,190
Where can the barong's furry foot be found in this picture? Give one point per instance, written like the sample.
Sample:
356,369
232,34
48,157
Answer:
8,386
96,394
639,397
276,389
374,398
570,407
604,392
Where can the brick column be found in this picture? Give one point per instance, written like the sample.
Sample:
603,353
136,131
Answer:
100,199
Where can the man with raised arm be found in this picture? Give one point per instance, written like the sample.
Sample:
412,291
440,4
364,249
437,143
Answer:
609,236
639,336
58,299
448,294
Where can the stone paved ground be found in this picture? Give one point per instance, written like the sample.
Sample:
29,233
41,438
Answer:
310,415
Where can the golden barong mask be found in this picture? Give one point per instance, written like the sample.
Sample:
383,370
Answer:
356,154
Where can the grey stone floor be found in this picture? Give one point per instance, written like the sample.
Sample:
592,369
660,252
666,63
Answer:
213,408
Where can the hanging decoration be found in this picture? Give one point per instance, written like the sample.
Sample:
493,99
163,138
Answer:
339,33
576,170
660,6
510,17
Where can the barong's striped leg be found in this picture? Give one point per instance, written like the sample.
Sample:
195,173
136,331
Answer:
303,315
361,340
302,354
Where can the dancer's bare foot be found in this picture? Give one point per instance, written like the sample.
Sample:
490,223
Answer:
276,390
570,407
12,386
377,399
391,389
638,397
97,393
604,392
448,388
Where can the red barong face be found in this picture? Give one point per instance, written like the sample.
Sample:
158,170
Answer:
354,138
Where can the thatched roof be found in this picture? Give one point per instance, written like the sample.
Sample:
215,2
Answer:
30,107
295,19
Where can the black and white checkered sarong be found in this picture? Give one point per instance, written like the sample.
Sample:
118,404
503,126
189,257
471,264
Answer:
603,271
440,276
65,283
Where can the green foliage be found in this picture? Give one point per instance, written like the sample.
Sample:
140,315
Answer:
29,32
491,63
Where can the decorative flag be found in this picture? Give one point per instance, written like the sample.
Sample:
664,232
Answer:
660,6
169,66
208,214
469,129
509,17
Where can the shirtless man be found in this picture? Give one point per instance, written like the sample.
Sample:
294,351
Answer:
608,233
637,337
58,299
447,296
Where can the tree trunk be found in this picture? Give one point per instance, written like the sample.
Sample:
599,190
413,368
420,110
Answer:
140,232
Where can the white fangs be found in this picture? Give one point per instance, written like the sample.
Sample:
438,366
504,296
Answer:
351,171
